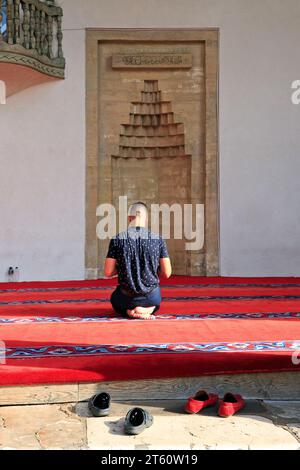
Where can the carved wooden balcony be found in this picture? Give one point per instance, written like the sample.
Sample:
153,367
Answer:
30,43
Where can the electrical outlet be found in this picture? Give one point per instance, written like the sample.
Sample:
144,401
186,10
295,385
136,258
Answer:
13,274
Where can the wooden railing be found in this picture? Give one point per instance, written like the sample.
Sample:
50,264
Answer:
32,35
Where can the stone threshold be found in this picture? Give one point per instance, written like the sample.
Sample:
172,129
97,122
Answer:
264,386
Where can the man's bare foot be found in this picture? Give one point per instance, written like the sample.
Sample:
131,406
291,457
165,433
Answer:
144,310
140,315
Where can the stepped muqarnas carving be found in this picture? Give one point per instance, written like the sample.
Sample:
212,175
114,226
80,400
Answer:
152,164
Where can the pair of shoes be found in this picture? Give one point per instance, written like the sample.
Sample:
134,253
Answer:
136,420
228,406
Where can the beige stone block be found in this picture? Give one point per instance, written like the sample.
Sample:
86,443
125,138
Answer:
38,394
191,431
41,427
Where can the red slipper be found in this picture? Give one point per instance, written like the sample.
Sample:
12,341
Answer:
230,404
199,401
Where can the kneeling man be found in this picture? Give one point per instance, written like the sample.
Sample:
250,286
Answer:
138,257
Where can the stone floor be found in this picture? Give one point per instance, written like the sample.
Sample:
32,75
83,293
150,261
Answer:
262,425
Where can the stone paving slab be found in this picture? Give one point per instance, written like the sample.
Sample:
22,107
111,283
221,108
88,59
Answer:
201,431
251,428
41,427
70,426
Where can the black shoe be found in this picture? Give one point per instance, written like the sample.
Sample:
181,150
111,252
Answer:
137,420
99,405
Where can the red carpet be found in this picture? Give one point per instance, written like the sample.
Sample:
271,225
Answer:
60,332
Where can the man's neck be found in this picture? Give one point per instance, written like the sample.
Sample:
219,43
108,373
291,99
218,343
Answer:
135,224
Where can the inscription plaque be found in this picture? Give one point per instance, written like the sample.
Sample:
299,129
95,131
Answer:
152,60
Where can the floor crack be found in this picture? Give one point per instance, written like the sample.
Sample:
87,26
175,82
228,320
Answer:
294,434
37,436
2,422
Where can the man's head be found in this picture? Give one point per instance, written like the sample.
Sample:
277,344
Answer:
138,214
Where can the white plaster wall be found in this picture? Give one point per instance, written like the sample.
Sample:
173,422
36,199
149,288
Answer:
42,130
